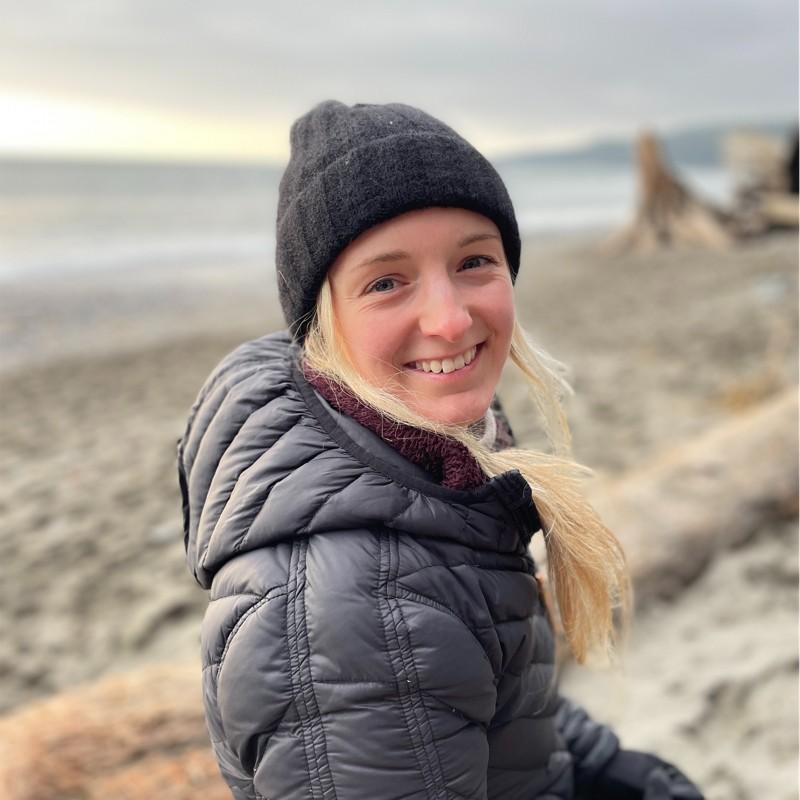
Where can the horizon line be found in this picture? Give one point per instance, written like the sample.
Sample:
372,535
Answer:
575,146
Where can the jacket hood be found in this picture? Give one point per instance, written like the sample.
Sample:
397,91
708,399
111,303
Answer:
265,459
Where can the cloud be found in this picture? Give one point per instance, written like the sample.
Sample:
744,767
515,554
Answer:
510,71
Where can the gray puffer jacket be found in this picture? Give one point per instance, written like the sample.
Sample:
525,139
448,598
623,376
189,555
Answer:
370,634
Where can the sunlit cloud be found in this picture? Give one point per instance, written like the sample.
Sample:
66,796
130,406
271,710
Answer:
44,124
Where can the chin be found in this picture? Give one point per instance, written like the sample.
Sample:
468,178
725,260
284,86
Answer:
455,413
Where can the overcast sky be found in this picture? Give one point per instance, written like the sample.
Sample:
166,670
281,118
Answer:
196,77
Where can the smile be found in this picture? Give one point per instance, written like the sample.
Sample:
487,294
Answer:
447,365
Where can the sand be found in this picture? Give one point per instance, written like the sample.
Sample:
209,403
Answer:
97,373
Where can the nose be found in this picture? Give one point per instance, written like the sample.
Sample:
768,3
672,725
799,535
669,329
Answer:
443,311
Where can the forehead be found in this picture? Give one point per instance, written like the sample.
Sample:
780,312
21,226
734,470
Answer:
415,233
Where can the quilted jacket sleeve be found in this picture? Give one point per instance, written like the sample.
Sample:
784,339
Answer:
328,687
591,745
605,771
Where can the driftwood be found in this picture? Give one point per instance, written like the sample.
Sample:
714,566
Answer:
674,515
668,214
780,210
764,170
136,736
759,161
758,211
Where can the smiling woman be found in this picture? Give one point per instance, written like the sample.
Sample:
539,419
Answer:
378,627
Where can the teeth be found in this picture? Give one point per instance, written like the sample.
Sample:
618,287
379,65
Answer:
447,365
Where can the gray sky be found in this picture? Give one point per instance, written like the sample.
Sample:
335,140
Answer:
170,75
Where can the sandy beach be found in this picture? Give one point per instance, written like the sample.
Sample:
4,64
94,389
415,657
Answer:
97,374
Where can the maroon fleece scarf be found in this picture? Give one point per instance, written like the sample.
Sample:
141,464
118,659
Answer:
448,462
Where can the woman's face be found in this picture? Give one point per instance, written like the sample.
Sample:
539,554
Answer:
424,304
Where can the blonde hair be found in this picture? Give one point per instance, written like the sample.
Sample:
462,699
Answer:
585,561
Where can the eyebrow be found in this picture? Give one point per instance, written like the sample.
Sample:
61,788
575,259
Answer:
399,255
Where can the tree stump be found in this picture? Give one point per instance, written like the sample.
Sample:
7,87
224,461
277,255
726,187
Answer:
668,214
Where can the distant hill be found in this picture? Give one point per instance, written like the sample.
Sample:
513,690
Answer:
699,146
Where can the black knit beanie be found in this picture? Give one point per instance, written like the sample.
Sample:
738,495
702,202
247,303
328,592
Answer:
352,167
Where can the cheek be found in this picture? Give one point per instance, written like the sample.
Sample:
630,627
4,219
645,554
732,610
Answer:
500,311
373,346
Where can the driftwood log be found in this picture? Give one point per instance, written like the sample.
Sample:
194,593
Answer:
668,213
676,514
136,736
765,177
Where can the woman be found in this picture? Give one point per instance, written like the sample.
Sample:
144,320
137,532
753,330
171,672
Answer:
375,627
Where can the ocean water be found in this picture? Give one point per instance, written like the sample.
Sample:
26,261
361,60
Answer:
72,217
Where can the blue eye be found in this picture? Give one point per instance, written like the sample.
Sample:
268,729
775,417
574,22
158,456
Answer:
382,285
477,261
